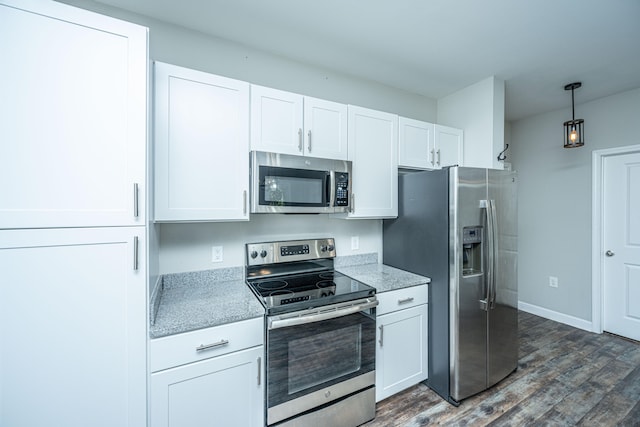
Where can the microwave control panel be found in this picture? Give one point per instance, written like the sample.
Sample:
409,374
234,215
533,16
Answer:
342,189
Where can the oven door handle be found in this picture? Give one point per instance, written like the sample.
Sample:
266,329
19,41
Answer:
320,315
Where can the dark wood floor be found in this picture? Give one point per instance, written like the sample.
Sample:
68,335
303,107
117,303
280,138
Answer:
565,377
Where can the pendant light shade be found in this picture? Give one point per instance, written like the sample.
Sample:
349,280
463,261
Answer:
573,129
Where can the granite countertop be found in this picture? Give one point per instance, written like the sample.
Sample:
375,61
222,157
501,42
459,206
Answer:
201,299
189,301
383,277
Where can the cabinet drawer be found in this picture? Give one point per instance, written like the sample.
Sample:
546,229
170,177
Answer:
189,347
401,299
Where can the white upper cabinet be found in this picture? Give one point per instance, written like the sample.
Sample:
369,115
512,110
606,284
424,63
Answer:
201,142
448,144
424,145
325,129
415,144
288,123
72,118
373,149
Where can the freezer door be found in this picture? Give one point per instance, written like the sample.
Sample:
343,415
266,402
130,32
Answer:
467,310
503,311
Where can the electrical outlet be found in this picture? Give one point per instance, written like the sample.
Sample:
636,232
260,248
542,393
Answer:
355,243
217,254
553,281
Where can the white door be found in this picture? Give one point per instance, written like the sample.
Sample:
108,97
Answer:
415,144
201,146
73,327
72,118
621,244
225,391
373,149
325,127
448,146
276,121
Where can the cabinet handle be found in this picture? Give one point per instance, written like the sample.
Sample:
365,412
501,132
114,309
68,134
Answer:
406,300
136,211
244,202
438,156
433,157
259,370
309,134
381,327
220,343
135,253
300,140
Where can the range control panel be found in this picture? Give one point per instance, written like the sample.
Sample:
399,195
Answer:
291,250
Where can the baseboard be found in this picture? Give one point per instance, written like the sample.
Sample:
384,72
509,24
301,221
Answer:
556,316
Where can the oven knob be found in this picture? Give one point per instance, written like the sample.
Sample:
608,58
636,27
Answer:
330,248
254,254
323,248
263,253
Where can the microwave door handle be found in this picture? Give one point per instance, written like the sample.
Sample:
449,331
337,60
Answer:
330,189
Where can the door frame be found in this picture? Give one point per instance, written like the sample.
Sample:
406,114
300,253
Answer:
597,230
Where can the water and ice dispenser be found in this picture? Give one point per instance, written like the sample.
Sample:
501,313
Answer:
471,250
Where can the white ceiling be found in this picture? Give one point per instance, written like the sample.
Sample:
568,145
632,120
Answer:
436,47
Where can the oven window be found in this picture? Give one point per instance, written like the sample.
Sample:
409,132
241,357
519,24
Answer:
285,189
312,362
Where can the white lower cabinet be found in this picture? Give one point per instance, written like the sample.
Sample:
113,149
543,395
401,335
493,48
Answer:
72,327
401,347
211,382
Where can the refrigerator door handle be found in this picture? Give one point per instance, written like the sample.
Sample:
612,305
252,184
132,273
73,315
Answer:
492,223
489,301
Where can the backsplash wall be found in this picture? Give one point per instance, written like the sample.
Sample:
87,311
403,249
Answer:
188,246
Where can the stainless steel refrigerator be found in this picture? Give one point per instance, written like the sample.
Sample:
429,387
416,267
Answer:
458,226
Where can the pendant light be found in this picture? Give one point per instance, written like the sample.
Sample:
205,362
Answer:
573,129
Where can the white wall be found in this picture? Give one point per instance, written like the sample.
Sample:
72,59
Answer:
479,110
554,233
187,247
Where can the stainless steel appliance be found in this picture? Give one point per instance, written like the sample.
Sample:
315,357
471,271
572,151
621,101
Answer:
320,335
458,226
281,183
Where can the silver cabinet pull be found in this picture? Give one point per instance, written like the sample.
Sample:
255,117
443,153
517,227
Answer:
609,253
135,253
438,152
309,135
381,327
136,210
300,140
433,157
244,202
405,301
212,345
259,370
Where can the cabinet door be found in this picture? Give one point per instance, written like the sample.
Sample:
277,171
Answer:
415,144
325,129
448,143
276,121
373,149
73,327
222,391
72,118
201,146
401,356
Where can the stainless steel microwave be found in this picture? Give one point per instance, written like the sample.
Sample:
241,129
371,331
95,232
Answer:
282,183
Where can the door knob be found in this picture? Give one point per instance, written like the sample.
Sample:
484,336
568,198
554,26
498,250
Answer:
609,253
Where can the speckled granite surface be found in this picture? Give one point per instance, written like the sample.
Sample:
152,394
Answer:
201,299
382,277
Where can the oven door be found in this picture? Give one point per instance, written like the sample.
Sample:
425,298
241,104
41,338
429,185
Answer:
319,356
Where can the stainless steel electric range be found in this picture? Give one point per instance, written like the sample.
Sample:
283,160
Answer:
320,335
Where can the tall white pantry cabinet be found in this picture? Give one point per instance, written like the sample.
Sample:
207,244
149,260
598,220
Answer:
73,137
